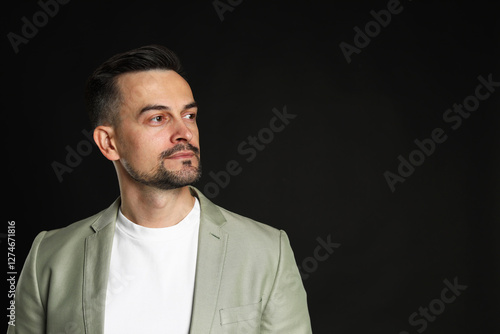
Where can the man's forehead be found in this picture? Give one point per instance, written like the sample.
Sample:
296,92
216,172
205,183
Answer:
154,84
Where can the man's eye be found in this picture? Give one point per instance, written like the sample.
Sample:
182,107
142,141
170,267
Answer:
190,116
157,119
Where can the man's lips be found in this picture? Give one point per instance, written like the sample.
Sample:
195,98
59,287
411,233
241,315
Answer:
181,155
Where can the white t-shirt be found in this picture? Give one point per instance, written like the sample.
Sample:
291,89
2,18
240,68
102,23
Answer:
151,278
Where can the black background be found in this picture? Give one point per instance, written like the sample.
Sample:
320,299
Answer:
323,175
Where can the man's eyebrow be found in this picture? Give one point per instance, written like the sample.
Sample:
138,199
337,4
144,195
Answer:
161,107
153,107
191,105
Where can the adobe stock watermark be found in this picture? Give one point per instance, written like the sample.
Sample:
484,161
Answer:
222,6
74,156
372,29
436,306
29,29
249,149
321,253
453,117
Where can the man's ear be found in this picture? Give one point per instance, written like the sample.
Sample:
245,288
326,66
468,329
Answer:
104,137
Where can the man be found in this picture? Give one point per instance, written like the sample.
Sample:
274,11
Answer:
162,258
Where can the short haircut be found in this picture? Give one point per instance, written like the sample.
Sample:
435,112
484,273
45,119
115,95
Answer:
102,94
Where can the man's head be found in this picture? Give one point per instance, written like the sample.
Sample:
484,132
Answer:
144,116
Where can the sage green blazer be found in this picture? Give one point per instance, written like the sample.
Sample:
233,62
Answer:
247,280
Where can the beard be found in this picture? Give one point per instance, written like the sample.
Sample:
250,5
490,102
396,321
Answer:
163,179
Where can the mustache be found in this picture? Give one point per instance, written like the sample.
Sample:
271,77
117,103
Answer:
178,148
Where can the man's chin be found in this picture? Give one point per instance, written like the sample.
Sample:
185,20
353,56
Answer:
167,179
185,176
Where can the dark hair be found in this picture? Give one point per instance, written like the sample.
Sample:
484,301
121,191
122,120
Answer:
102,95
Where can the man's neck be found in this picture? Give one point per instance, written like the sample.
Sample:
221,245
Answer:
156,208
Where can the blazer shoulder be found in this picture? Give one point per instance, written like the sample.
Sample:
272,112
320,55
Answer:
248,229
233,223
70,238
78,228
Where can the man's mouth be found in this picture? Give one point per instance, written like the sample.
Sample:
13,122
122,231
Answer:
181,151
181,155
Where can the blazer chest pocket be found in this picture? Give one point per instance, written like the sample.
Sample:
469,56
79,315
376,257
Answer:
241,319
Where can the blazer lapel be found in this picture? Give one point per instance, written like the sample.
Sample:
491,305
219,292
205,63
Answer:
96,269
212,242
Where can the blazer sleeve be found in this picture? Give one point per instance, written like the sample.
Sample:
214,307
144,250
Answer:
286,310
30,314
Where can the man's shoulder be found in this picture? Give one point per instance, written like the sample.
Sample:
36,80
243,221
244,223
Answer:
239,227
80,227
237,221
72,235
249,231
253,245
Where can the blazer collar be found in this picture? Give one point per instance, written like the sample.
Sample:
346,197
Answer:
209,211
212,242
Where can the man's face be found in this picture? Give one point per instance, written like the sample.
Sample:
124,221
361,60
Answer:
156,135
